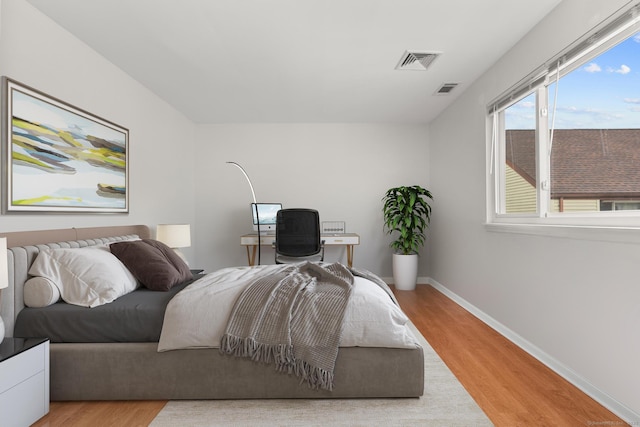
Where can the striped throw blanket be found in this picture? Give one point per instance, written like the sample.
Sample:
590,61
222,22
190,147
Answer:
292,318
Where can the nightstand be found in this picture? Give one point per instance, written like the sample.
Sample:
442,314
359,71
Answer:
24,380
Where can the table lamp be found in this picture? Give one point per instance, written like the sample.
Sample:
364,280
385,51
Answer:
175,236
4,278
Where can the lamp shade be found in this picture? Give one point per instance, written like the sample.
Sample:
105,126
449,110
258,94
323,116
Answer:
174,235
4,270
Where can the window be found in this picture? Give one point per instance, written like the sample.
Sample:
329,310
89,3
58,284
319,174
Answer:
610,205
566,142
520,168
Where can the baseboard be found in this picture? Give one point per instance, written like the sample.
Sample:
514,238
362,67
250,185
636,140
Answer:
564,371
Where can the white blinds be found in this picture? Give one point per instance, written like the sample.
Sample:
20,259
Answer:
601,38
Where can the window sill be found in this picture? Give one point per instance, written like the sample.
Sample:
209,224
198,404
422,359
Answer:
582,232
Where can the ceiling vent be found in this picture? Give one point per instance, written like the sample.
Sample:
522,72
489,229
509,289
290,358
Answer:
446,89
419,61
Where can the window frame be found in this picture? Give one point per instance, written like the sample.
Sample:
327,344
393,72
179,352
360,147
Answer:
621,225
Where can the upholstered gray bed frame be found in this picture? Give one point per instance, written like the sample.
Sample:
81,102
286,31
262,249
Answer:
130,371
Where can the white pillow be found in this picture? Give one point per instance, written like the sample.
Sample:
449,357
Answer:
373,320
40,292
88,277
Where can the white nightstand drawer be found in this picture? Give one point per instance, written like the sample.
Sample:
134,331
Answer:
24,404
20,367
24,381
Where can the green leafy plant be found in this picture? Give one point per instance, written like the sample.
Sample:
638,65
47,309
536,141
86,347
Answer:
407,211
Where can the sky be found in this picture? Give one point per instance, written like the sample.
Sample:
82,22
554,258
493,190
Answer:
603,93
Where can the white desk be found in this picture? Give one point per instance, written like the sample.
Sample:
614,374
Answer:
250,241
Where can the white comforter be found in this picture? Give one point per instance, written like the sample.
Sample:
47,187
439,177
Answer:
197,316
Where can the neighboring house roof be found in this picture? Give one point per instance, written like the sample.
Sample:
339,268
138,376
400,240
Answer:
585,163
520,148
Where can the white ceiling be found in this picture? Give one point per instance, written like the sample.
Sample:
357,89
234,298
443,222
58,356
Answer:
240,61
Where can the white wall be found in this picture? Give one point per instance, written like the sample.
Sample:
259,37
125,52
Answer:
578,301
342,170
40,54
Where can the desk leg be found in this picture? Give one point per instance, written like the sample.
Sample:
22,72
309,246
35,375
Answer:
350,255
251,254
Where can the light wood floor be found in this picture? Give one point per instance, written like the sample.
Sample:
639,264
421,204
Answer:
510,386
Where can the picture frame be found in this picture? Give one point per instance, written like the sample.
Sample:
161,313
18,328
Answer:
59,158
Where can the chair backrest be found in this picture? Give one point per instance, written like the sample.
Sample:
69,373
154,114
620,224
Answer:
298,232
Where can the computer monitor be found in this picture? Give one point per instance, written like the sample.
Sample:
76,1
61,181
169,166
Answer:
266,215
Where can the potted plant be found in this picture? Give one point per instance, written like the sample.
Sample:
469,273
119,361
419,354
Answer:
406,211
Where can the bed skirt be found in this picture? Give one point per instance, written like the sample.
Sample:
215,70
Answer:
136,371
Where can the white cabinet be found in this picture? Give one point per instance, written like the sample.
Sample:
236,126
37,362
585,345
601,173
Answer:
24,381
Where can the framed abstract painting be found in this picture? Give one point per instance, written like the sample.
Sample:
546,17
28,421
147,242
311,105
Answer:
59,158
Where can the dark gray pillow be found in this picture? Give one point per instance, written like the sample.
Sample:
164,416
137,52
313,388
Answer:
154,264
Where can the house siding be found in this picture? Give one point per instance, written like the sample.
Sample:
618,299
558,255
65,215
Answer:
520,194
576,205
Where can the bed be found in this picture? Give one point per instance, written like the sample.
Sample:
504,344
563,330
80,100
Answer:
154,367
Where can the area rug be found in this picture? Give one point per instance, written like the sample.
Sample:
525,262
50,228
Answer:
445,403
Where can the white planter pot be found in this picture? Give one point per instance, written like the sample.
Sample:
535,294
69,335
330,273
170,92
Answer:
405,271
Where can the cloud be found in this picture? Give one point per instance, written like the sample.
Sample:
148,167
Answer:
623,69
592,68
632,100
588,114
636,38
521,115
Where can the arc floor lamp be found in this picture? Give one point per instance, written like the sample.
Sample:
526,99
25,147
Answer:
255,203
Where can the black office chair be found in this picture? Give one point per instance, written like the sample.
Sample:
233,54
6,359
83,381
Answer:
298,236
